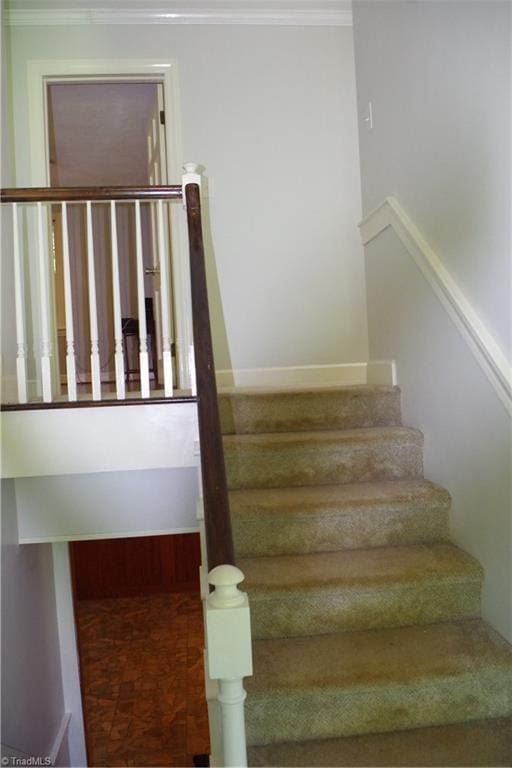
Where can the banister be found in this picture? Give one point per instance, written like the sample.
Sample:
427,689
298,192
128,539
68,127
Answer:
219,538
227,617
83,194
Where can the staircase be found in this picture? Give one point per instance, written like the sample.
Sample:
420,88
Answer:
368,646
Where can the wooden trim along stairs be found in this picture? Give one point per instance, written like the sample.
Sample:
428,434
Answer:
369,648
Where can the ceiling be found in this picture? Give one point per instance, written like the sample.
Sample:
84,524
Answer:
98,133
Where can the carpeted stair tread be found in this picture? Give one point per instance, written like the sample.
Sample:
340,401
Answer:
358,568
397,655
360,589
480,743
349,683
272,441
322,458
250,410
274,521
368,649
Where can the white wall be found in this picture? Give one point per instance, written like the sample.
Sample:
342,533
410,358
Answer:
7,179
32,698
107,504
446,394
270,112
437,74
32,692
438,77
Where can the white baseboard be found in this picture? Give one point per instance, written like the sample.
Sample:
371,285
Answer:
60,738
381,372
378,372
25,758
350,373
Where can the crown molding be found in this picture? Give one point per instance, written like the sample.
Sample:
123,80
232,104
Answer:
315,14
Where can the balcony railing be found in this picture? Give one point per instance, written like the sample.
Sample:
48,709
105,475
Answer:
70,251
92,291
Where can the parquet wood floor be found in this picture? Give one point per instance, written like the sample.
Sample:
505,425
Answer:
142,680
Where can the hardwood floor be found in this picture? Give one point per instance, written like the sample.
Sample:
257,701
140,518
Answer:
142,678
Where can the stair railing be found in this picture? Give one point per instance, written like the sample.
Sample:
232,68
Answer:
228,656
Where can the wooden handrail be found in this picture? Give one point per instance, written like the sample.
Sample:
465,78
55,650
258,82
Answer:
82,194
219,538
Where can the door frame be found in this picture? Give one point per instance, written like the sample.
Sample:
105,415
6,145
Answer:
41,72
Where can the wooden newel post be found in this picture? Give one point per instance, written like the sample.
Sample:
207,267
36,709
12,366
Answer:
229,656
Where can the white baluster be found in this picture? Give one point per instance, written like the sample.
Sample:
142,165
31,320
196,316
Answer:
143,336
46,345
116,297
229,657
68,309
93,311
165,301
19,301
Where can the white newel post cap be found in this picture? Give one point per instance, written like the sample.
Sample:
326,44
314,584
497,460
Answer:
190,167
191,174
225,580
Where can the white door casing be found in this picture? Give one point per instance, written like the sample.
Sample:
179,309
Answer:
159,282
40,73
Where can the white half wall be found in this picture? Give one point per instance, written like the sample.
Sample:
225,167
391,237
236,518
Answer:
66,441
107,505
270,112
447,395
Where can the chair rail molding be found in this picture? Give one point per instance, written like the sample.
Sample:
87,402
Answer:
483,345
335,13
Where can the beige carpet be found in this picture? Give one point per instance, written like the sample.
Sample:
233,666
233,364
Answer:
368,643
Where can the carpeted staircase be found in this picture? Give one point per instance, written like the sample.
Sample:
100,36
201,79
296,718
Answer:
368,646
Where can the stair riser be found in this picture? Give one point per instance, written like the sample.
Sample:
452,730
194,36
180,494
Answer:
244,414
329,714
295,466
348,609
476,743
275,535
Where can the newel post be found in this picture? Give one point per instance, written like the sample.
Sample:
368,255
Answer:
229,656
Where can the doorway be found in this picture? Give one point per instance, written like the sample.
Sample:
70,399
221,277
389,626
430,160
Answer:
140,637
106,133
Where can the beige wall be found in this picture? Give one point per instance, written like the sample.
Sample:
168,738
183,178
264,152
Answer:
270,113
